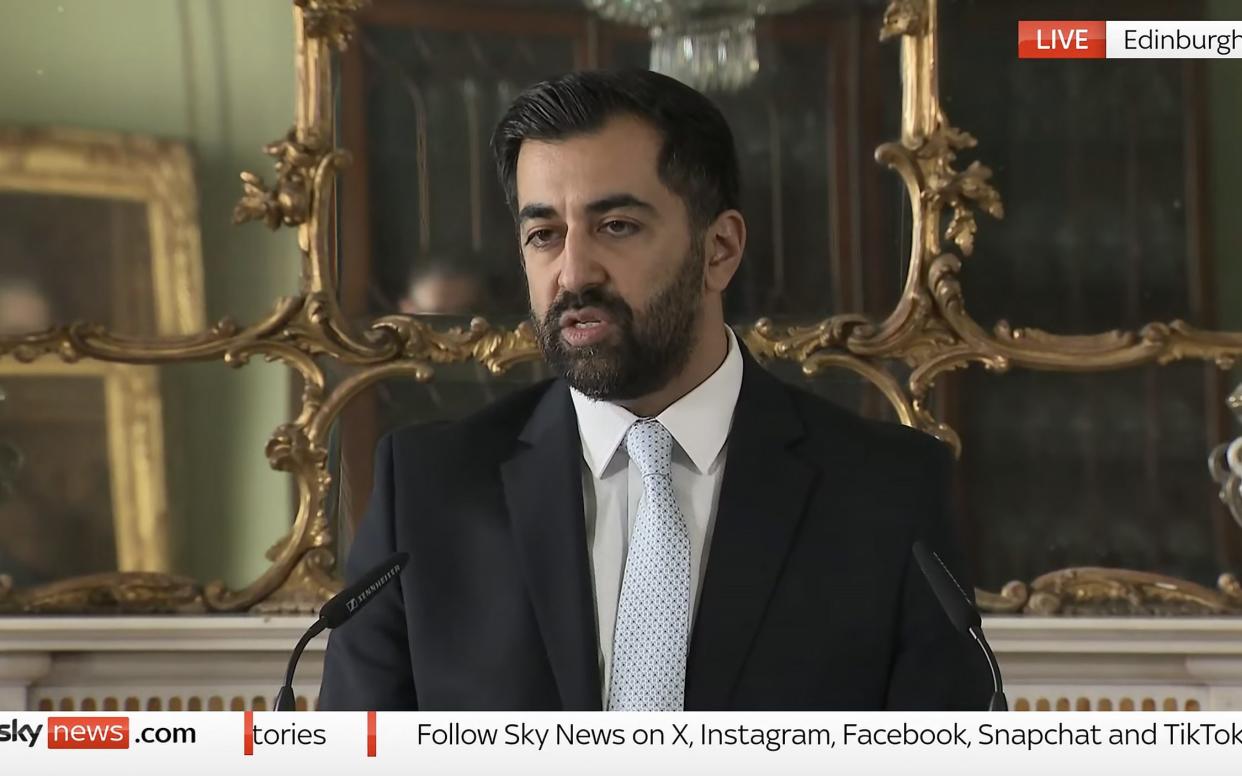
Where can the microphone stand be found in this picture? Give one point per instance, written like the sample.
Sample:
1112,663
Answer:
998,702
961,611
285,699
334,613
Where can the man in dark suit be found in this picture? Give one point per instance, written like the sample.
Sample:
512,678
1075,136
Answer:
667,525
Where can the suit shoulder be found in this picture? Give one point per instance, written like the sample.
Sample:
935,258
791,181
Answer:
502,419
830,421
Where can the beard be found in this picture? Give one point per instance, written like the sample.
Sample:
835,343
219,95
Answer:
649,347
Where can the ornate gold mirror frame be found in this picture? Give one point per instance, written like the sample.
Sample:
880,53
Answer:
930,330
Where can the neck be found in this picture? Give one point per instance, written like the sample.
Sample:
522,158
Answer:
709,353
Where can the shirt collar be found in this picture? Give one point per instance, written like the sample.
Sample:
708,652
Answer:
698,421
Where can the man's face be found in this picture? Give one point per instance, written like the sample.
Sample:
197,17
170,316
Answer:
614,273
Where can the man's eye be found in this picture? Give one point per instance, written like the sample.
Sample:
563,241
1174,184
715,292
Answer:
619,228
539,237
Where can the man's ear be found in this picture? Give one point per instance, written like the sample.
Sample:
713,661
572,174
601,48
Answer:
724,242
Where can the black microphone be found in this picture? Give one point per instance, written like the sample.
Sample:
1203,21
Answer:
335,612
962,613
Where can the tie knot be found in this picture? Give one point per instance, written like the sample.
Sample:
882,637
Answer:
651,447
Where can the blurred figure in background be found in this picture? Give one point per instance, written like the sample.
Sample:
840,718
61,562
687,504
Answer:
24,308
441,286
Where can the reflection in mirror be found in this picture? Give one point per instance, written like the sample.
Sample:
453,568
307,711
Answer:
227,505
124,459
426,82
123,127
81,448
1119,179
99,227
1115,173
1106,469
213,76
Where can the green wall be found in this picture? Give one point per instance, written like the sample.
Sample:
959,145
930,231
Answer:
219,75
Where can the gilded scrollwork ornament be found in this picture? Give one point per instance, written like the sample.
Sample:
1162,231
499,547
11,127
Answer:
962,191
496,348
331,20
1101,592
132,592
298,155
904,17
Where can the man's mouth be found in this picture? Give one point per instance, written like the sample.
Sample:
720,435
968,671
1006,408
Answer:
585,326
584,317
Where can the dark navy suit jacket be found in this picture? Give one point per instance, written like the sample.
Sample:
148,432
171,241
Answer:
811,598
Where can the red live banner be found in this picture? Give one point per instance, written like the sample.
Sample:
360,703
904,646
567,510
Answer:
1061,40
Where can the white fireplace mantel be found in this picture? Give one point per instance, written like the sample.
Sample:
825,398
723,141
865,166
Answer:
239,662
179,662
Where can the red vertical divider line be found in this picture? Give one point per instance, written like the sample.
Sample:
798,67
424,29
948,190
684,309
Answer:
370,734
249,733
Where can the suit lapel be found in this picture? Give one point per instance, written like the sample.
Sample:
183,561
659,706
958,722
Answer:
543,493
762,499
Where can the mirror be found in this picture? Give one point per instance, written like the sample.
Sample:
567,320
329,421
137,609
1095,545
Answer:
1119,185
424,225
1064,471
123,128
425,229
211,78
1115,173
1140,231
124,459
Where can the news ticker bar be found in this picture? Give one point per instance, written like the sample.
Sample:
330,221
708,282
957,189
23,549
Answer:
623,743
1129,40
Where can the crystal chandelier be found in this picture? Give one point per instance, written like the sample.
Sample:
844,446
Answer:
707,44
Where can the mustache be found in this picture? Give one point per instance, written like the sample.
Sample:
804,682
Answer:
591,297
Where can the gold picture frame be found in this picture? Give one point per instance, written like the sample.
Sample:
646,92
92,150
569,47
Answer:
153,182
155,174
134,447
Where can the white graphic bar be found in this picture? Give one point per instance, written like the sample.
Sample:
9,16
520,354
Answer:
1174,40
628,743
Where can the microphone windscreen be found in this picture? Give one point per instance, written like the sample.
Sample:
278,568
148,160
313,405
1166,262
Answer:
952,597
346,603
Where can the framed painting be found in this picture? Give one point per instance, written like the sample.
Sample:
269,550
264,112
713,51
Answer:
82,487
100,228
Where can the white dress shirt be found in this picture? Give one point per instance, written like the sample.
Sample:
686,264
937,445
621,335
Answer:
612,485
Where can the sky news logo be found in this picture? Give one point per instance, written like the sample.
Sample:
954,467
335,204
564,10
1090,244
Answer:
92,733
1080,39
88,732
16,733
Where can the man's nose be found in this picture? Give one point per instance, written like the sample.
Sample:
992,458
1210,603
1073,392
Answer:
579,269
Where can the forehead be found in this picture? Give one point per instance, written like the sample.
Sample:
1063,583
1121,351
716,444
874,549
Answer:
622,156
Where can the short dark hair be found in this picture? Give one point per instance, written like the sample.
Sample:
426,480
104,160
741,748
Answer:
698,161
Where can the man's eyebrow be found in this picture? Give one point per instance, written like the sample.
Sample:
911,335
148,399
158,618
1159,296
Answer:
616,201
602,205
536,210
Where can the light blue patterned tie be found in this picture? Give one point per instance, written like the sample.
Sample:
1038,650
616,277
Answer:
653,618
